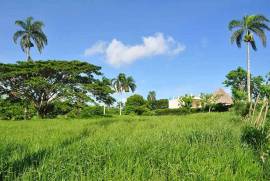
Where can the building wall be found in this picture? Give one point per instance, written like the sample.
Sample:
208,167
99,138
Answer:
173,104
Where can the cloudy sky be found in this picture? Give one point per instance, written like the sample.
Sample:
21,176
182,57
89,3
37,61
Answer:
172,47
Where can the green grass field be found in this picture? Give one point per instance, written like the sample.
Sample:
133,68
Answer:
193,147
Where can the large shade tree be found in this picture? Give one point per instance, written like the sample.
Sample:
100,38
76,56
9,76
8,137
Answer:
244,31
122,84
42,83
31,34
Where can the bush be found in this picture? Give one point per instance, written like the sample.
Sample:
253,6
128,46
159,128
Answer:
136,104
15,110
241,108
255,137
86,112
220,108
112,111
162,104
179,111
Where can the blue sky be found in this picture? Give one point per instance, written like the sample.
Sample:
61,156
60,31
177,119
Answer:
197,53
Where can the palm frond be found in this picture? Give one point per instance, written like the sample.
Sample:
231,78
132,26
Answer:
17,35
237,37
260,18
235,24
21,24
260,33
253,45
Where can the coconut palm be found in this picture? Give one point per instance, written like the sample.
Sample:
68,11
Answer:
123,84
245,30
30,34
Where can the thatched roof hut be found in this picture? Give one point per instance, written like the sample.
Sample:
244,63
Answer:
223,97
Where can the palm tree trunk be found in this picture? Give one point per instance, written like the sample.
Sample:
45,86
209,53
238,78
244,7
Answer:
120,105
28,54
248,72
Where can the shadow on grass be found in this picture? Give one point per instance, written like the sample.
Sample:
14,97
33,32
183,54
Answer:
33,160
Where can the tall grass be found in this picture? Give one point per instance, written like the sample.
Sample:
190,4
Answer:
192,147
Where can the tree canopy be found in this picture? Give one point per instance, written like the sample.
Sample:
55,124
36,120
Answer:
41,83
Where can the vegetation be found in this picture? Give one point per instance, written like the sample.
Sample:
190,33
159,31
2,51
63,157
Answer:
245,28
192,147
31,32
186,101
40,84
236,79
123,84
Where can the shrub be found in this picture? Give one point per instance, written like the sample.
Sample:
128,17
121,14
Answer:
162,104
220,108
86,112
255,137
136,104
241,108
179,111
11,110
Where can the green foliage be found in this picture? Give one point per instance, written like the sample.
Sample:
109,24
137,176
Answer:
42,83
151,97
127,148
179,111
255,137
246,27
241,108
15,110
161,104
186,101
30,34
136,104
86,112
122,84
237,80
91,111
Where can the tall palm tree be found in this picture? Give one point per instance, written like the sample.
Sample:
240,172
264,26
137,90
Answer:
30,34
245,30
122,84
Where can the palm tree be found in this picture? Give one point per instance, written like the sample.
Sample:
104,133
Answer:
31,32
244,30
123,84
151,96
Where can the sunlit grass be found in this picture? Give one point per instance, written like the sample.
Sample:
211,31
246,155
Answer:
192,147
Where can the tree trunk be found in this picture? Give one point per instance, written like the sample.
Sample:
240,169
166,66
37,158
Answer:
28,54
104,110
120,105
248,72
25,113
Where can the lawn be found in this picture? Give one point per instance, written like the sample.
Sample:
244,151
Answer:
204,146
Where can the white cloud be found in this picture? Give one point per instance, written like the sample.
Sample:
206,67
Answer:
117,53
97,48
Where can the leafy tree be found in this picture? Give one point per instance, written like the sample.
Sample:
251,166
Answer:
186,101
41,83
245,30
161,104
30,34
208,100
151,96
236,79
136,104
151,100
122,84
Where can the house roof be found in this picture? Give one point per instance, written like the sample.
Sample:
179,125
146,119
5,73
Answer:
223,97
